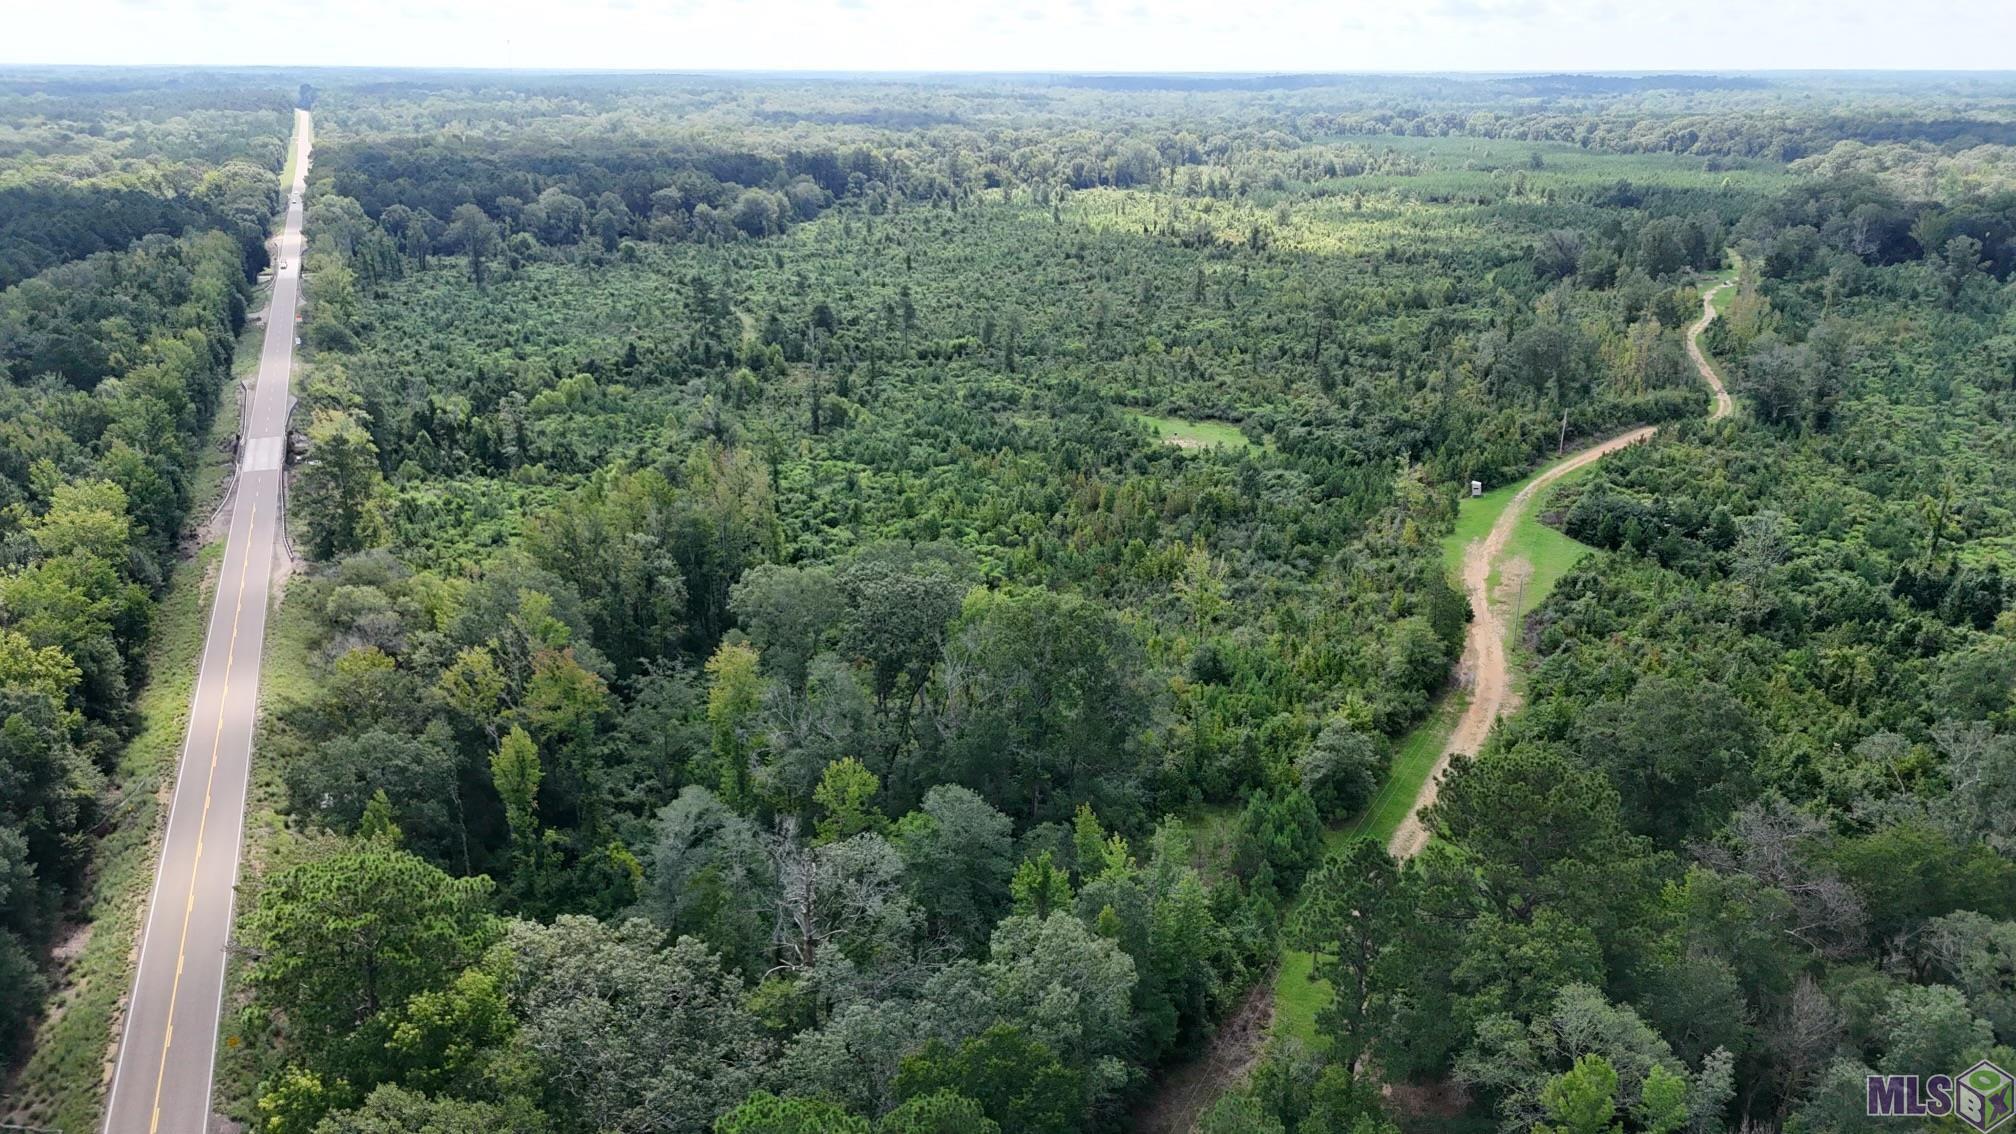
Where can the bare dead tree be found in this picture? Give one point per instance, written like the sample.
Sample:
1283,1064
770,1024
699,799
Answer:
1774,844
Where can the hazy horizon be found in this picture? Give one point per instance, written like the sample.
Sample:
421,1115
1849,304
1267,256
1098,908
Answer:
228,67
1037,36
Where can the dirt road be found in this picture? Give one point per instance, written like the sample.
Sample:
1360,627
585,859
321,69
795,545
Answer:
1724,404
1483,662
1187,1090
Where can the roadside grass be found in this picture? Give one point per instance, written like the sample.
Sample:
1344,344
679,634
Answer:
1413,759
1544,552
62,1086
1549,554
1297,995
212,478
1474,517
1720,301
245,355
286,679
1195,434
287,171
287,676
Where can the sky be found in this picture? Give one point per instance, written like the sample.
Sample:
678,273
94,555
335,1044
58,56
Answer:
1022,35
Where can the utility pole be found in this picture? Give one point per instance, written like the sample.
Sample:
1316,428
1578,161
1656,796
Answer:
1516,574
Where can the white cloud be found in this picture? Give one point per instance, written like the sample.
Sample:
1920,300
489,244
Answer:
965,35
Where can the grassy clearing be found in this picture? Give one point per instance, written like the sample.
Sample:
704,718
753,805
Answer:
1542,550
1413,759
1214,836
1721,300
1729,276
1298,997
1474,517
1460,163
1195,434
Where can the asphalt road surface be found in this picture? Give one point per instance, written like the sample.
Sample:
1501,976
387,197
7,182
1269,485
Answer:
167,1055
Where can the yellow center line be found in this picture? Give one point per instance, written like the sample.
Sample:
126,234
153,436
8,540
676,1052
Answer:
216,743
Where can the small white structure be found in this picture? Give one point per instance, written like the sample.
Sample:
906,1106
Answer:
1476,488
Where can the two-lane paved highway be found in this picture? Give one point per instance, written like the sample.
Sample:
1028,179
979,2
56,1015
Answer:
167,1056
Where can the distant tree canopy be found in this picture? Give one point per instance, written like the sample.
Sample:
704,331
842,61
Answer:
126,260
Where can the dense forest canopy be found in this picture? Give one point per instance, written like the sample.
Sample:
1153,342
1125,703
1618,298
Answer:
879,604
132,220
93,167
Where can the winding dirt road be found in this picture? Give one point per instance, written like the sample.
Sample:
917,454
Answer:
1483,661
1724,404
1187,1090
